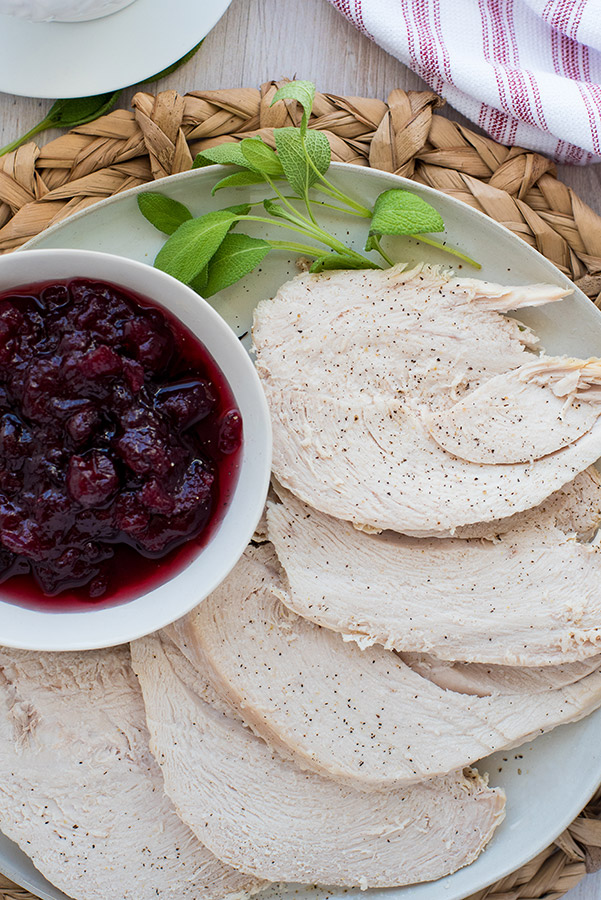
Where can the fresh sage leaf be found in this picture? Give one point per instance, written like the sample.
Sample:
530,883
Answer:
238,255
68,114
164,213
338,261
301,91
208,255
200,163
402,212
261,158
241,209
189,249
237,179
292,151
228,154
80,110
280,212
199,283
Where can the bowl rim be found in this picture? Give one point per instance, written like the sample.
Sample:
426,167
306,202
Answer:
127,621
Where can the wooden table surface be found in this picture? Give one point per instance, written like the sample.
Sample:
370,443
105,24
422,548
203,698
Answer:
258,40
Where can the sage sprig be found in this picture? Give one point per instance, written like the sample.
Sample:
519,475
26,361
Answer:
207,254
68,114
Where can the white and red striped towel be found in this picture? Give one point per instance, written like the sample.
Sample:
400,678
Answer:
528,72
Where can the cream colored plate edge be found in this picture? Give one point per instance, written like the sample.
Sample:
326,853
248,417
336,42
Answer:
547,782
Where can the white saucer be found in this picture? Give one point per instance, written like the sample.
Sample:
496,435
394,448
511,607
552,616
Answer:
56,59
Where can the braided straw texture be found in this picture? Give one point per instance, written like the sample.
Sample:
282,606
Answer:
41,186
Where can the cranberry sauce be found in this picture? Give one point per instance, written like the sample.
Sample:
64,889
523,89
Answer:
119,444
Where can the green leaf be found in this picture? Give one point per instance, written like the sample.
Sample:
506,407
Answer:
371,243
301,91
293,156
228,154
190,248
80,110
337,261
68,114
163,212
238,255
174,66
280,212
200,163
401,212
199,283
241,209
261,158
237,179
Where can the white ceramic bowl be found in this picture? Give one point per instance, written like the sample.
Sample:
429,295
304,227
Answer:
103,627
61,10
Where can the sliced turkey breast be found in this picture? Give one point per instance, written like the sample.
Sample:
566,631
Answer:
377,466
368,377
524,414
362,716
392,333
263,814
484,681
531,597
576,508
80,791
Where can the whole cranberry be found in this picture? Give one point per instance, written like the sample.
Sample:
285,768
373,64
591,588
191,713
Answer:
83,424
230,432
186,403
55,296
100,362
25,539
91,479
144,451
98,587
129,516
195,488
150,343
156,498
134,374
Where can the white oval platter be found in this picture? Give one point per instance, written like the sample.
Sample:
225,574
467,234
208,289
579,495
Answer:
547,782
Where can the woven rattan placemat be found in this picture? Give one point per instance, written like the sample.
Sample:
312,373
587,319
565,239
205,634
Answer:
40,186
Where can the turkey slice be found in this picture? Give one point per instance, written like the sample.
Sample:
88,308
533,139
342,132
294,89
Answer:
80,791
263,814
357,366
362,716
522,415
530,597
484,681
391,333
376,465
576,507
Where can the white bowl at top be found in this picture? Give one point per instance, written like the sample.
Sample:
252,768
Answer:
96,626
61,10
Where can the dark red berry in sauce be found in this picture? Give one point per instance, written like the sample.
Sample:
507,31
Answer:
91,479
187,403
119,443
230,432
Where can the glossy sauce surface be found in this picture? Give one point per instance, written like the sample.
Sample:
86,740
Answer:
120,445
